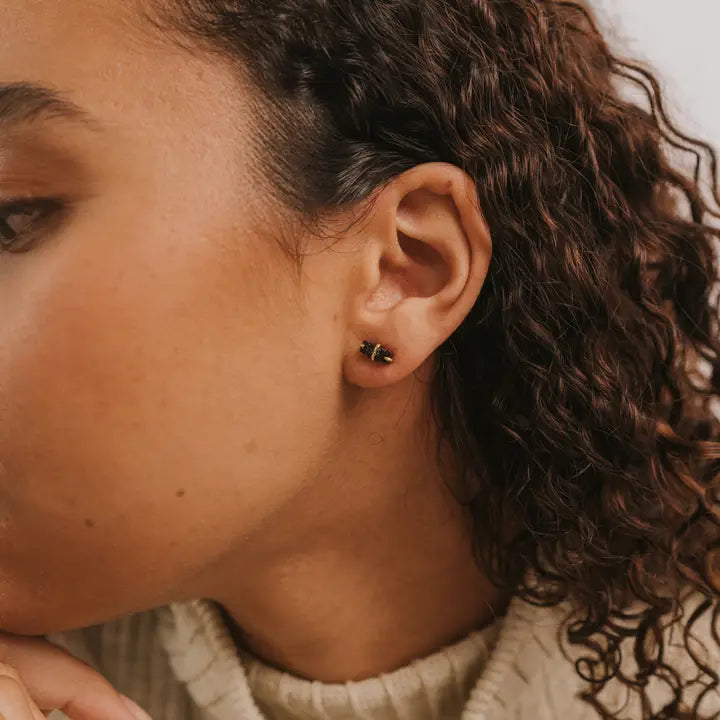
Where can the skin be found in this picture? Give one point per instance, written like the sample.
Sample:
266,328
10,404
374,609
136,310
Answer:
179,417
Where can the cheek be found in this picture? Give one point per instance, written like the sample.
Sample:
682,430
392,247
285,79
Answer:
140,391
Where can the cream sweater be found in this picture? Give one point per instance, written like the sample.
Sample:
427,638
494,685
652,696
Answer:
179,662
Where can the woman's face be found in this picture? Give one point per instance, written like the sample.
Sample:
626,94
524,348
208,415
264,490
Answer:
162,387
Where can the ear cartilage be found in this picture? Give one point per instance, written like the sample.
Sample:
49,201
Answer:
376,352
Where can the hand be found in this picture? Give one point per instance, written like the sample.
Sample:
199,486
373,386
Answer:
37,676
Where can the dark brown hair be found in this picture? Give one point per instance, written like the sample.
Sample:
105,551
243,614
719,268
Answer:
577,392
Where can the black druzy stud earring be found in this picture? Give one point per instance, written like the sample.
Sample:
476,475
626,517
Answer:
376,352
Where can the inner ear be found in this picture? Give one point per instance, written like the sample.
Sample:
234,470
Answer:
423,254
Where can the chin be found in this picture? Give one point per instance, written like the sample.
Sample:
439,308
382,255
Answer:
26,612
23,623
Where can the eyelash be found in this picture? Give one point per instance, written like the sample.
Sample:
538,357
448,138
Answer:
51,211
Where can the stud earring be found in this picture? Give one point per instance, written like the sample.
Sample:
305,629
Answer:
376,352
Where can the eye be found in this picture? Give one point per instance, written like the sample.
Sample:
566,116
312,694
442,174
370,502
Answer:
22,220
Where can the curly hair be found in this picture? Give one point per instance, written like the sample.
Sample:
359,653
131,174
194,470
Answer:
577,394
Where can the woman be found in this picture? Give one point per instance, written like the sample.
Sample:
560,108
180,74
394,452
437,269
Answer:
355,363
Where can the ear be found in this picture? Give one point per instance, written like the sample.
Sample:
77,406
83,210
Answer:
425,255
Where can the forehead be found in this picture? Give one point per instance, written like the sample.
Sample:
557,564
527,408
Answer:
103,56
56,39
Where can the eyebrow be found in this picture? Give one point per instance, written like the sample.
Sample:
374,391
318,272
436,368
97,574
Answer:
22,102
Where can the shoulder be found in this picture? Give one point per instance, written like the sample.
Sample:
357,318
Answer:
533,670
527,675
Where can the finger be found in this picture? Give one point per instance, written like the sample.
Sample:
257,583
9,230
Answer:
55,679
11,672
15,703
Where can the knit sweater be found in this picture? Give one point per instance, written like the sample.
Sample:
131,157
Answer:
180,662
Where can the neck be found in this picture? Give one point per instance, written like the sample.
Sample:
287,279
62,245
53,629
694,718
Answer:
368,569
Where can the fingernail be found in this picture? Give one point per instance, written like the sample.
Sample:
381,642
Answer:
135,710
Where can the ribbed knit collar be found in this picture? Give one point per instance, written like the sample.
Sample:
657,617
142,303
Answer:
429,688
458,680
